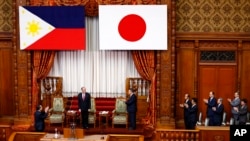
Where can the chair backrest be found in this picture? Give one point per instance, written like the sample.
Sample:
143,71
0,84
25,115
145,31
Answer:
92,107
58,104
224,117
200,117
199,122
206,122
231,121
120,105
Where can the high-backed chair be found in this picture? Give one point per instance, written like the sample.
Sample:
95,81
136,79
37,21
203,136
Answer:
57,113
92,112
119,114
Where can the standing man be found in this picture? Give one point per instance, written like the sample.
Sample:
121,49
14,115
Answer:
132,108
235,103
211,102
192,115
40,116
218,112
188,102
84,105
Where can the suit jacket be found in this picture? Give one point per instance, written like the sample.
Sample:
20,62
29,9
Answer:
39,120
210,104
192,120
85,104
218,114
235,103
243,114
132,103
186,113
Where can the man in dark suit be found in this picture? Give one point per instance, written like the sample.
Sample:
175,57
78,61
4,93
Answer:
185,109
210,102
84,105
218,112
40,116
132,109
192,113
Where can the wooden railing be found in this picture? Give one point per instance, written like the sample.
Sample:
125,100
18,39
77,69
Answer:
140,85
50,87
177,135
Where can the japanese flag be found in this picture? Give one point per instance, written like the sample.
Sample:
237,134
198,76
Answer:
133,27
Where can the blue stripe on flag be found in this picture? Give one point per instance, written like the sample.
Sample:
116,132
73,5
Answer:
60,16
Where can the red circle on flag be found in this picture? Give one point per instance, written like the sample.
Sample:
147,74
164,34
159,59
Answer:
132,27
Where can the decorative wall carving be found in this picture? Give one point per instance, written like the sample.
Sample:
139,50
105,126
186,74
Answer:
6,23
91,6
213,16
218,56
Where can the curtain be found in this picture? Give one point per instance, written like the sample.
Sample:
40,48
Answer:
42,63
145,65
102,72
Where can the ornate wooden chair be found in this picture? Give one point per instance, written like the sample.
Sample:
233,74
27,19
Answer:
92,112
119,114
57,112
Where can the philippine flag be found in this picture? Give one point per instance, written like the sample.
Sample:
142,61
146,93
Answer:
133,27
52,27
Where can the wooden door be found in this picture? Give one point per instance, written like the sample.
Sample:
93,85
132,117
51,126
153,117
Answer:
6,83
222,80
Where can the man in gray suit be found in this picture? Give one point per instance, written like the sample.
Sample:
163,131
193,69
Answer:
235,103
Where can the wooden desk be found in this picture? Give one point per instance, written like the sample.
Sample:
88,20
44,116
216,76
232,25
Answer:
50,137
214,133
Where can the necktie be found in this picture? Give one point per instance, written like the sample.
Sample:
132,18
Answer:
83,96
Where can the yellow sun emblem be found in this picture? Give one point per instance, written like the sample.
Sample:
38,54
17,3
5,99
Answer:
33,28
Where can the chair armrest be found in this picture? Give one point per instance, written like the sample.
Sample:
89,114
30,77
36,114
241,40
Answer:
50,110
91,111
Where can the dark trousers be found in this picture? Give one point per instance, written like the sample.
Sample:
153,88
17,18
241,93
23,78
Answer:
85,118
132,119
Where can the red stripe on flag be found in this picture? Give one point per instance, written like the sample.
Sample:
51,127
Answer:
61,39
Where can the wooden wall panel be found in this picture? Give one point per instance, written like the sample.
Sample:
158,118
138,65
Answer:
142,108
214,133
6,79
185,75
207,75
244,72
220,79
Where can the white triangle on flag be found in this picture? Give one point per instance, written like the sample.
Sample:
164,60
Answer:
31,28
